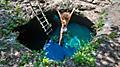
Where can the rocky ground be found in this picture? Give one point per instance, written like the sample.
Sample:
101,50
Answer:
109,51
108,54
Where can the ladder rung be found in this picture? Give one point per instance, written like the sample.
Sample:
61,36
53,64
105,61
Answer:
49,31
49,26
43,22
46,25
41,18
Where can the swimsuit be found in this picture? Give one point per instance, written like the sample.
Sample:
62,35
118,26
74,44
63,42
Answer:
64,29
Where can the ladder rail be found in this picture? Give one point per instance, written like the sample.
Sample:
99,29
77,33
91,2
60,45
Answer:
37,17
34,12
42,12
48,25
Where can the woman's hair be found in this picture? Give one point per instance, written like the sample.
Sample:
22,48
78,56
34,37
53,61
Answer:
65,16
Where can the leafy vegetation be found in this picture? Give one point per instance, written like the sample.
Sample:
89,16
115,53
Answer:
100,22
10,17
112,35
37,59
86,55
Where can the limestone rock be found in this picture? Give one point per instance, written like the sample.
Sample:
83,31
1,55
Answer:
90,1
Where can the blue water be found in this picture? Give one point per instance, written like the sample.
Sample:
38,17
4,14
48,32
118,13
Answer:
72,41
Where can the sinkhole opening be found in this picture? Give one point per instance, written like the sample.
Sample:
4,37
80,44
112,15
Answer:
79,30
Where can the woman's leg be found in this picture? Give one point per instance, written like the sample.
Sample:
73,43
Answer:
61,34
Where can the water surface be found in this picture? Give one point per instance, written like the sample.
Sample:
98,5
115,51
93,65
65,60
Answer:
72,41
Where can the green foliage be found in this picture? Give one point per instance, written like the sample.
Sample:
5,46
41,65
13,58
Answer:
100,22
112,35
84,56
27,57
38,59
5,4
103,13
3,62
11,17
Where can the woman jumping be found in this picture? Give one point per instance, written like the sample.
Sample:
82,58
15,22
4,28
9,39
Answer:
65,18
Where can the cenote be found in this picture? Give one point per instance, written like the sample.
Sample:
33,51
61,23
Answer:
79,32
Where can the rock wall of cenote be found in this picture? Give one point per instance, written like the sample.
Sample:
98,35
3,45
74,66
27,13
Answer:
33,36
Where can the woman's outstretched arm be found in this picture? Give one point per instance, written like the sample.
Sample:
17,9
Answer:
59,14
72,12
70,15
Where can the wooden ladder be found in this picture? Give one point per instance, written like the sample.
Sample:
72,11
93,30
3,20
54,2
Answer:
42,20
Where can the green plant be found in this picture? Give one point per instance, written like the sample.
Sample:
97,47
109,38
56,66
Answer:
103,13
112,35
11,17
84,56
100,22
25,58
38,59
